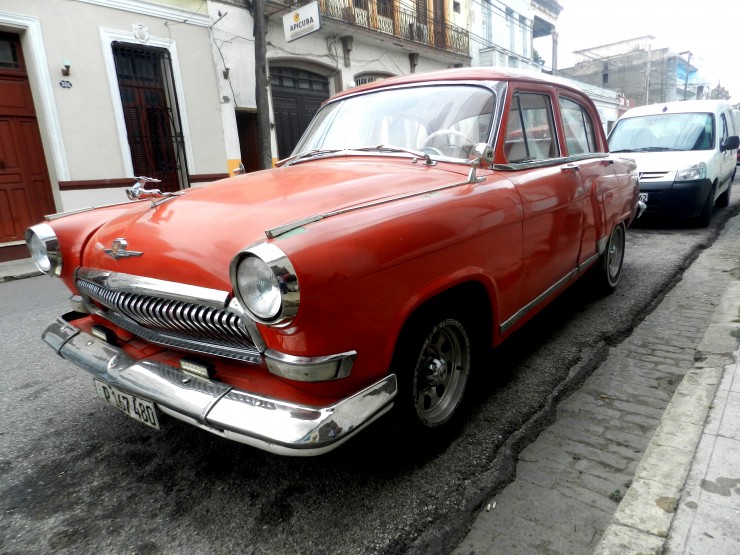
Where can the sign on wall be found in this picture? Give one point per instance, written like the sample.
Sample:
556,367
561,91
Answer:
302,21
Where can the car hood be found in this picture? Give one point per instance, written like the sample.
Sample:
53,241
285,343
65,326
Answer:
193,237
670,161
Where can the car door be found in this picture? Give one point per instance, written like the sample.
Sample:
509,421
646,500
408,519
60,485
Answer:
551,193
601,189
727,157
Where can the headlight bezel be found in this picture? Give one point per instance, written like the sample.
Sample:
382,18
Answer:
277,269
43,244
692,173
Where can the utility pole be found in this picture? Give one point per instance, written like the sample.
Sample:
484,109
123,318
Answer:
648,74
688,68
261,82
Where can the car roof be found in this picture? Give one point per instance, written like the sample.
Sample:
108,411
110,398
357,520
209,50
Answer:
680,107
465,74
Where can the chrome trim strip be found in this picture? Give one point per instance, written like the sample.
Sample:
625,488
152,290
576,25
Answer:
57,215
600,248
586,263
171,290
522,311
267,423
280,230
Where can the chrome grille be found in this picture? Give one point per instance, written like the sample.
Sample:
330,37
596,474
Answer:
175,323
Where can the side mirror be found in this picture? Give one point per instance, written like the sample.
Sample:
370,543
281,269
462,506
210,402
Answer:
730,143
482,154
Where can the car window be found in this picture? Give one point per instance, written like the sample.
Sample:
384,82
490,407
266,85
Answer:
530,133
725,131
578,127
443,120
663,132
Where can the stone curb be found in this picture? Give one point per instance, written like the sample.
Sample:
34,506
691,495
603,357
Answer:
20,275
643,519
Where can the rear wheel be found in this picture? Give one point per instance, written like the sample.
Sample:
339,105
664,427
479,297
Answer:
433,366
610,266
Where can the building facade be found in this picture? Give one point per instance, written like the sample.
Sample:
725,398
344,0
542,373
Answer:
352,42
639,73
95,92
502,32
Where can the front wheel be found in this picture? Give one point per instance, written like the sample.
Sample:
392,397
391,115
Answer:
433,368
706,212
724,199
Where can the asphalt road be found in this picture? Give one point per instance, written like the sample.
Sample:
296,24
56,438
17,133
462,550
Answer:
79,476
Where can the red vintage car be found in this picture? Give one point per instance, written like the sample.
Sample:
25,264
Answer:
420,221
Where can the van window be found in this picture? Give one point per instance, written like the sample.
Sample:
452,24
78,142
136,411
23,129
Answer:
725,131
579,129
663,132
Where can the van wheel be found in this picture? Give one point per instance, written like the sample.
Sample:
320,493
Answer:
433,366
706,212
724,199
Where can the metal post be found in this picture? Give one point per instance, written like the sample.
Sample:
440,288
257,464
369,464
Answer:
260,85
688,67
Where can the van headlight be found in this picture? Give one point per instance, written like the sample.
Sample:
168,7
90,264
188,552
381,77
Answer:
44,247
698,171
265,284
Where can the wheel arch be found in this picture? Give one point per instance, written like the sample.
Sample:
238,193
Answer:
471,296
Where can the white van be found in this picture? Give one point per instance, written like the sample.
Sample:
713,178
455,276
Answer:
685,154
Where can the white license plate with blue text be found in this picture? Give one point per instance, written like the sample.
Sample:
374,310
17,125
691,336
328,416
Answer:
136,407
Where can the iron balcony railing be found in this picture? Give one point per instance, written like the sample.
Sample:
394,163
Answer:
384,17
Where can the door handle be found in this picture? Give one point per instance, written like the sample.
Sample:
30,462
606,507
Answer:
569,168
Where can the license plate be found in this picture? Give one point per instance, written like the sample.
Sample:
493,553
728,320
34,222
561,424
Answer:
136,407
643,197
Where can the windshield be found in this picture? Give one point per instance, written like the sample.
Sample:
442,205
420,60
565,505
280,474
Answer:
663,132
445,120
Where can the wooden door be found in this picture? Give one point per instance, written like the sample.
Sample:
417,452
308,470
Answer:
25,189
296,97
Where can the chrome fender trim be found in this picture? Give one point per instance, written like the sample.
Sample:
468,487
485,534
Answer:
263,422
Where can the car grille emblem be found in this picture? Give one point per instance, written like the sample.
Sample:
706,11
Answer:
118,249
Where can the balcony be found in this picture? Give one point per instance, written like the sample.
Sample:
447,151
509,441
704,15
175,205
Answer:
389,18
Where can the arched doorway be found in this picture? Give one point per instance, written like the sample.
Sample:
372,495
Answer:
296,96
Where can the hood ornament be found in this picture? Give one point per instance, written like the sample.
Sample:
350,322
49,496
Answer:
140,192
118,249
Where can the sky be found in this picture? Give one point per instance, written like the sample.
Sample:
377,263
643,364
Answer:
708,28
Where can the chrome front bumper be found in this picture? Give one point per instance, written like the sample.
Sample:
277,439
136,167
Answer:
259,421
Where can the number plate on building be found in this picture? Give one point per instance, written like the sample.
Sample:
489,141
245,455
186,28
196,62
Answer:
643,197
136,407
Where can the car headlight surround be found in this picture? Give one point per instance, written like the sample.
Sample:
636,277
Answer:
43,245
695,172
266,284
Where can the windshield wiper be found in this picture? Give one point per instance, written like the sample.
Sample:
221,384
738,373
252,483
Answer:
646,149
308,155
390,148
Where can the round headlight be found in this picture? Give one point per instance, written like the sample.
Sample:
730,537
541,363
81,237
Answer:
265,283
44,248
259,288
